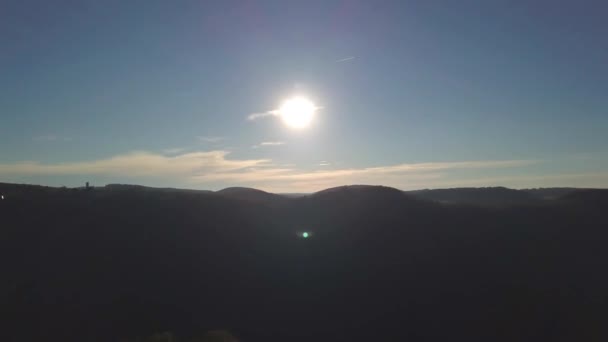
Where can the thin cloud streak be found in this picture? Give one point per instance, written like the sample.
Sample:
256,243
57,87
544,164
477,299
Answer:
350,58
268,143
400,176
212,168
138,164
270,113
256,116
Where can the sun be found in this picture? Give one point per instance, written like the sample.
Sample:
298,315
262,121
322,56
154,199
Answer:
297,112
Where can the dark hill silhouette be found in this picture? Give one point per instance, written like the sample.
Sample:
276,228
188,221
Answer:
294,194
550,193
492,196
251,195
130,187
586,197
359,190
358,199
380,264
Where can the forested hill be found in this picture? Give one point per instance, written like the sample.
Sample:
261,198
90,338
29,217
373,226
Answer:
117,262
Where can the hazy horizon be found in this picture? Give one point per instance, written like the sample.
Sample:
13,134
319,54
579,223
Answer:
292,192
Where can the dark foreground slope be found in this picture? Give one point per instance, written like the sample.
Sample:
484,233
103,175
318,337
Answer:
105,264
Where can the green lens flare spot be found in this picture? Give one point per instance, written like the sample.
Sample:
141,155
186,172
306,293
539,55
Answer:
305,235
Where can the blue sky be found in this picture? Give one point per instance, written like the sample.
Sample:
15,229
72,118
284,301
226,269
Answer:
413,94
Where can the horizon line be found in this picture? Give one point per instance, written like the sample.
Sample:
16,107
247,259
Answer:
298,192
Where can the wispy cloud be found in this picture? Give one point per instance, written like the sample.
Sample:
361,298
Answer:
268,143
138,164
213,169
210,139
349,58
402,176
256,116
272,113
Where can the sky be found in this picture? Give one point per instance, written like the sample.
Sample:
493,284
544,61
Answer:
409,94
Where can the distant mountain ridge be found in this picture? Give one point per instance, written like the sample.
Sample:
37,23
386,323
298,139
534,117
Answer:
362,192
143,187
121,261
483,196
250,194
493,196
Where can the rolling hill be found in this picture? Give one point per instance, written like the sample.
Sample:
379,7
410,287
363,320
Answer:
120,262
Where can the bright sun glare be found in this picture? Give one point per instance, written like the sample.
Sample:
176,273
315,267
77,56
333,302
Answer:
297,112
